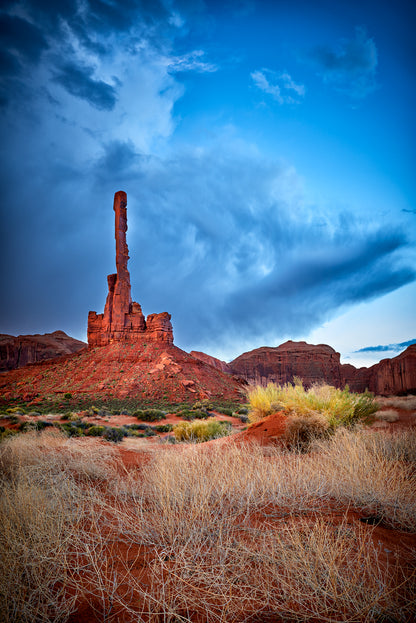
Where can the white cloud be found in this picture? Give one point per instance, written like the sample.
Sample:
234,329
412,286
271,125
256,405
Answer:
280,85
192,61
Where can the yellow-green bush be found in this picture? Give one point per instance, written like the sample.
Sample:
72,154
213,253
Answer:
339,407
200,430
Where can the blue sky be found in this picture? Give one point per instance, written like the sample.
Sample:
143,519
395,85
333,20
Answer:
267,151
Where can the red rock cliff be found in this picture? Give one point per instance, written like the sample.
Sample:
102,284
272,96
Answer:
16,352
322,364
123,320
280,364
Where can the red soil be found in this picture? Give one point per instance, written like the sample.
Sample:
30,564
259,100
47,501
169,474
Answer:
267,431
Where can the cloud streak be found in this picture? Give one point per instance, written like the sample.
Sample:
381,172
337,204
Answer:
386,347
279,85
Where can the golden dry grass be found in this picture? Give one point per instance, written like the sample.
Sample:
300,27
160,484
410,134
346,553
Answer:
230,533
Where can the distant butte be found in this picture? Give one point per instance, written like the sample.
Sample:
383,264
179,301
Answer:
123,319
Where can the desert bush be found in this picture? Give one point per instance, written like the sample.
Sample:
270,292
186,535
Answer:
95,431
263,401
6,433
164,428
407,403
149,415
301,430
212,563
200,431
387,415
372,471
113,434
339,407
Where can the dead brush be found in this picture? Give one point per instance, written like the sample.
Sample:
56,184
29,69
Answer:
301,430
386,415
408,403
45,502
300,570
372,471
55,452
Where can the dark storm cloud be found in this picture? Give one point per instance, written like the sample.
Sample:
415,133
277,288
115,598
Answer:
72,30
351,66
386,347
78,81
21,46
21,37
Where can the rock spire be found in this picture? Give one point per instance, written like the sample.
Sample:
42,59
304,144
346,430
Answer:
123,320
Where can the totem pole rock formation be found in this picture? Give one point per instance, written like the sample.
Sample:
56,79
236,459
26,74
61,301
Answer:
123,320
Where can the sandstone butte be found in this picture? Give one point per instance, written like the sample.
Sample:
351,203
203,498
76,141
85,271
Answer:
16,352
321,363
128,355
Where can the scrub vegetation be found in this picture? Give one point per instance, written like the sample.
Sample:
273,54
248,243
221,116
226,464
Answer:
208,533
339,407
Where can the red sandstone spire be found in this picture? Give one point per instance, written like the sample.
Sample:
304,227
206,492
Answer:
119,289
123,320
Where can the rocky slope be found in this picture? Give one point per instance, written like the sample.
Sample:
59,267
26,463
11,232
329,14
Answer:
124,370
213,361
16,352
321,363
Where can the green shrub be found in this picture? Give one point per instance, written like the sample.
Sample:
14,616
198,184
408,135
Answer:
149,415
24,427
71,429
68,396
113,434
186,414
164,428
204,404
13,418
95,431
200,431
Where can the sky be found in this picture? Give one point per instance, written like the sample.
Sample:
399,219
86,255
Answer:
267,150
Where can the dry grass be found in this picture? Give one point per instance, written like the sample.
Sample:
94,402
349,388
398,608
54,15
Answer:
386,415
226,533
45,500
301,430
399,402
372,471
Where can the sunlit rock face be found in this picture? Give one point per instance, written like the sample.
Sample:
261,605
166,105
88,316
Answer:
123,319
